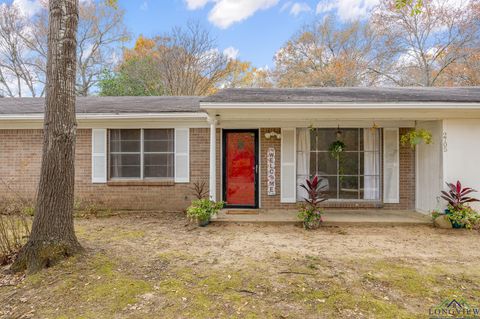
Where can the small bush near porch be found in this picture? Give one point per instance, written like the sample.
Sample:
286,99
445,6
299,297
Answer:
158,266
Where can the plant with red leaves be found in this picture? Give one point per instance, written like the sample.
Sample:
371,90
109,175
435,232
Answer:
314,191
457,195
310,213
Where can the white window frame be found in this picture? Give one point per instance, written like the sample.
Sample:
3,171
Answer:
359,152
142,156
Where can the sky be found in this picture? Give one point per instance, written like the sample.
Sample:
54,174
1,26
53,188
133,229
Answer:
251,30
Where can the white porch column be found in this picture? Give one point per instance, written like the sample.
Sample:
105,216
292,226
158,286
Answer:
213,159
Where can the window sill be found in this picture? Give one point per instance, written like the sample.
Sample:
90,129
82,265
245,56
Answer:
349,203
141,182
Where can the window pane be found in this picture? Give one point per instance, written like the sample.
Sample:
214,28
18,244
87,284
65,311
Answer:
125,165
370,187
329,186
349,187
125,159
322,138
326,164
158,146
158,134
350,138
349,162
160,140
158,159
158,172
124,140
158,165
125,146
123,135
353,164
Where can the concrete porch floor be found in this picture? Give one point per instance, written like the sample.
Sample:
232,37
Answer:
330,217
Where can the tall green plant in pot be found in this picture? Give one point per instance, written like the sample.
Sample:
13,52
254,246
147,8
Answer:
202,210
310,212
460,214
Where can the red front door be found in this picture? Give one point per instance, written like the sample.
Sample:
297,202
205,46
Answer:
240,168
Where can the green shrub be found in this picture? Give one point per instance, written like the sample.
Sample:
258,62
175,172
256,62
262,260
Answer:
311,217
203,209
464,216
310,212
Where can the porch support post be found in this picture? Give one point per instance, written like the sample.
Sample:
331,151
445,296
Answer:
213,153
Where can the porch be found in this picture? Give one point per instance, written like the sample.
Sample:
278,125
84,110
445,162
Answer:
332,217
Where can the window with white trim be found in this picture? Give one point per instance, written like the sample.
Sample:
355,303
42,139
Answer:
141,153
353,174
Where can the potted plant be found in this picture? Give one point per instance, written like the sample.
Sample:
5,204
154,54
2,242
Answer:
336,149
310,212
459,213
202,210
415,137
464,217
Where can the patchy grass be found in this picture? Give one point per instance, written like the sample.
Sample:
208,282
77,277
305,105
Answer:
145,266
92,280
410,281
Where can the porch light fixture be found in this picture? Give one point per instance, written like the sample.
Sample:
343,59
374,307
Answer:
272,135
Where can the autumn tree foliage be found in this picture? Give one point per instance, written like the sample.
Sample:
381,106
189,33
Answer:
423,47
137,74
184,61
463,72
326,54
242,74
403,43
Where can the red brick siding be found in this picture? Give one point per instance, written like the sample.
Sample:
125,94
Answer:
20,155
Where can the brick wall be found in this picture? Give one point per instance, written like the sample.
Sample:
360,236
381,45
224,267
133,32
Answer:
271,202
20,155
20,158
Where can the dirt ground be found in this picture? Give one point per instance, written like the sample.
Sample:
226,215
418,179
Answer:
159,266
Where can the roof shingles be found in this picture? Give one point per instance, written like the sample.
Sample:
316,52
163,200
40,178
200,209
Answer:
191,104
346,95
107,105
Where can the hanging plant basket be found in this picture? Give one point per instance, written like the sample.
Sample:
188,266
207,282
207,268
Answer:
415,137
336,148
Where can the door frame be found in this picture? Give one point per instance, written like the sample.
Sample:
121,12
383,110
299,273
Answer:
224,166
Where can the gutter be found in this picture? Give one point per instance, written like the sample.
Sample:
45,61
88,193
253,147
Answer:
110,116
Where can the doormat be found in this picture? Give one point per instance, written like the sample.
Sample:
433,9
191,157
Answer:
242,212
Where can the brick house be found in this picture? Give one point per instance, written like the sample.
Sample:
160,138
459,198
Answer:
255,146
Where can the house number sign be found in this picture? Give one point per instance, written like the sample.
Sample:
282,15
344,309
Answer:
271,172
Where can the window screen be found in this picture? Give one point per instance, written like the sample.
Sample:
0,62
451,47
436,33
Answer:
354,173
141,154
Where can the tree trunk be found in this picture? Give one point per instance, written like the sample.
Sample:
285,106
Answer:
53,236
